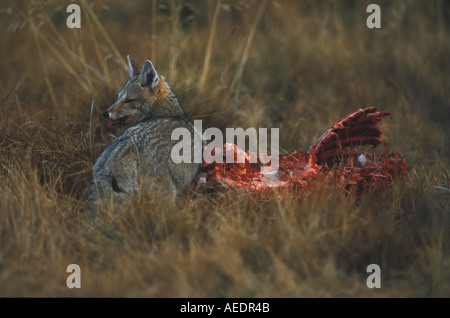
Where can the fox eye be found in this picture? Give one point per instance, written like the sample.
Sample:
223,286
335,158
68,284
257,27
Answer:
130,100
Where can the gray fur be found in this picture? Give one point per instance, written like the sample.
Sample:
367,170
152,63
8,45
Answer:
140,159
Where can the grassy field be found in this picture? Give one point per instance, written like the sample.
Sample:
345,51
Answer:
296,65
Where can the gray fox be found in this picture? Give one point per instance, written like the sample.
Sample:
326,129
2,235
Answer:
140,159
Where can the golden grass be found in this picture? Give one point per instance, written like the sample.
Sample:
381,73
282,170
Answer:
298,66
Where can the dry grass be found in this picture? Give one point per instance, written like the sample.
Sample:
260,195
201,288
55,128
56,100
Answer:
297,66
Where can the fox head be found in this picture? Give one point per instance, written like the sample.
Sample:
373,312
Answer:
145,95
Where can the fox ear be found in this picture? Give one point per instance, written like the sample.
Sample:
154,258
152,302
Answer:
149,76
133,69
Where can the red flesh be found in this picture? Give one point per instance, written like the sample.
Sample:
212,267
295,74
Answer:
297,170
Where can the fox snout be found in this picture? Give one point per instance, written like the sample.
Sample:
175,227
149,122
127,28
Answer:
112,113
112,116
115,109
118,112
